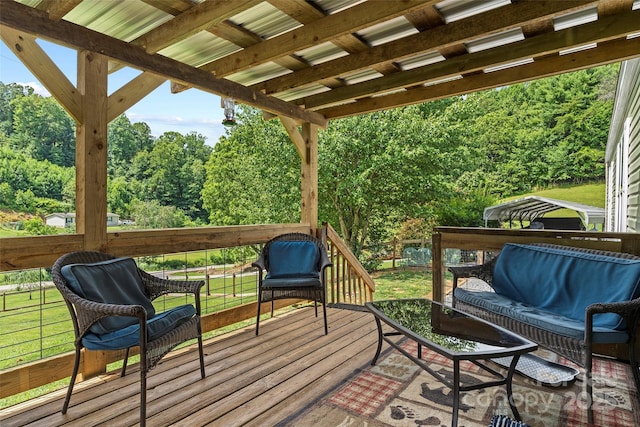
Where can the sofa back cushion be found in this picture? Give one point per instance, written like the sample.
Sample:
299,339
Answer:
115,281
293,258
566,281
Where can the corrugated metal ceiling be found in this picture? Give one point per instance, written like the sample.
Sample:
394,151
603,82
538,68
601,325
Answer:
303,52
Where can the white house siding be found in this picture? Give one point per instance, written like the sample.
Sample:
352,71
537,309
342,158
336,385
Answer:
56,221
62,220
623,153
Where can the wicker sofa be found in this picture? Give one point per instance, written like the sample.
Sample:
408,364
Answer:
564,298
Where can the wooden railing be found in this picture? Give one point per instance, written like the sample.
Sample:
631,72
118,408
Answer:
347,281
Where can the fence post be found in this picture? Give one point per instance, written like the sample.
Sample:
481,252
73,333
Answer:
393,253
234,284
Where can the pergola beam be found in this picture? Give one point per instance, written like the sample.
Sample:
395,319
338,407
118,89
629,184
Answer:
316,32
604,29
614,51
24,46
429,41
30,20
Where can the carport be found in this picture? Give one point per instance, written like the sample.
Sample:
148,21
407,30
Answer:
533,208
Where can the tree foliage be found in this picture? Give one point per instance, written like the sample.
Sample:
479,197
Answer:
440,162
253,175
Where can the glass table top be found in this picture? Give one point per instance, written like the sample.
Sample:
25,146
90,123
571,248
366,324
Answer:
444,328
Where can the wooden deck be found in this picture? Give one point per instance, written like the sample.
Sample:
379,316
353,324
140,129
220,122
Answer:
255,381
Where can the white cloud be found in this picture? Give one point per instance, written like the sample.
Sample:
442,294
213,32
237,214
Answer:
37,88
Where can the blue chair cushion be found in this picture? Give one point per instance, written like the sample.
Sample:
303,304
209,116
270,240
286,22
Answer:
293,282
115,281
293,259
541,319
565,282
157,326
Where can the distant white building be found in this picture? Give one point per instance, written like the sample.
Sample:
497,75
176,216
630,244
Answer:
68,219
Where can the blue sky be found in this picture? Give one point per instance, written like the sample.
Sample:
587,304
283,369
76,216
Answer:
190,111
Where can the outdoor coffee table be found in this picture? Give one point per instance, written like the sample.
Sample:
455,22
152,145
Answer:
456,335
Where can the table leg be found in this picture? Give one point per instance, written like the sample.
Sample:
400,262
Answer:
375,358
456,393
512,370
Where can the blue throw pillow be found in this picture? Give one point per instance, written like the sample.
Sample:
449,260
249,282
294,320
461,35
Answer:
293,258
115,281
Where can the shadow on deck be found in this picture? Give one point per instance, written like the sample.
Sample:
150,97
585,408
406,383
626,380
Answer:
250,380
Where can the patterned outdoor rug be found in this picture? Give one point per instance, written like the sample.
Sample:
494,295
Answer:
396,392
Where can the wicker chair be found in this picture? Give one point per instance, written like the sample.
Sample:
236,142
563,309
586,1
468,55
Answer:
295,266
579,351
110,302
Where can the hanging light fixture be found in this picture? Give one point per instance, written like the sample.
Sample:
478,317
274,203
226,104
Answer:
229,106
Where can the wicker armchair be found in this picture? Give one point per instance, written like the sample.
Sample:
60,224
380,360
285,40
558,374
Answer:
295,266
110,302
579,351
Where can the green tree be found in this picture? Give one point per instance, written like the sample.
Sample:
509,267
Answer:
177,177
36,226
253,174
153,215
377,170
120,194
9,92
43,129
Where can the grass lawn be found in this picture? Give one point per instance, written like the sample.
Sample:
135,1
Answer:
402,283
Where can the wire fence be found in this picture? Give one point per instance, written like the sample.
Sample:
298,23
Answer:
35,322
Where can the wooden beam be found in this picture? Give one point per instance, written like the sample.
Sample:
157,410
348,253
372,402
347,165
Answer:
604,29
198,18
428,41
321,30
19,253
57,9
131,93
25,18
605,53
91,151
291,126
24,46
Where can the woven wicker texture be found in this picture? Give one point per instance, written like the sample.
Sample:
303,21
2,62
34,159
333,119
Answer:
311,293
576,350
85,312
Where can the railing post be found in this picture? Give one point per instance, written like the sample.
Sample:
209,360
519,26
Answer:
438,271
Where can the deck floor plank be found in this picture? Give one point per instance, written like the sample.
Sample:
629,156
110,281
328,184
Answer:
250,380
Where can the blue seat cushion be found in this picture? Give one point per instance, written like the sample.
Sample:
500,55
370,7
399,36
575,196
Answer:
539,318
157,326
292,282
293,259
565,281
115,281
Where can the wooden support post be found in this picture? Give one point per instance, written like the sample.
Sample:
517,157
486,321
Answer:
310,176
307,145
91,151
94,363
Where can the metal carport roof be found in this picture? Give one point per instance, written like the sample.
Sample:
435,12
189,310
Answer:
531,207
